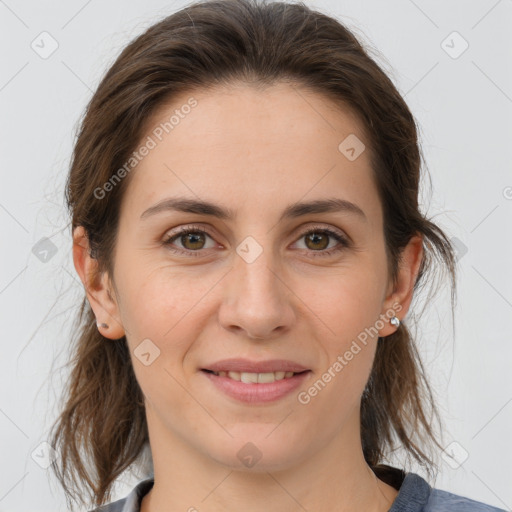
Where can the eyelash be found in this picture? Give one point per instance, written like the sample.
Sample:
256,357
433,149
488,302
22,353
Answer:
343,242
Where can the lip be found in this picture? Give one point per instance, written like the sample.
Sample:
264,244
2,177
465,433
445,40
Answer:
257,393
248,366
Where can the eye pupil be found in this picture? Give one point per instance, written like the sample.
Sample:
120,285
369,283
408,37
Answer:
192,237
314,238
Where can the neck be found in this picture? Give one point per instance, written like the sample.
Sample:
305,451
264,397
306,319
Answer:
335,477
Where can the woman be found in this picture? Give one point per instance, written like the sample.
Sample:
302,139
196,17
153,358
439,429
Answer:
245,220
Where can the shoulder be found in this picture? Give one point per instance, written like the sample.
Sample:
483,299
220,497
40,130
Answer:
130,503
443,500
416,495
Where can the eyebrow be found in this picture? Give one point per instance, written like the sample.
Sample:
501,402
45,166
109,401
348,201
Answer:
294,210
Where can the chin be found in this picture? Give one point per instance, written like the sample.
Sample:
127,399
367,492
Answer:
252,452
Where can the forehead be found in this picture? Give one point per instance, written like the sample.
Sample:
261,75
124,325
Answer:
242,146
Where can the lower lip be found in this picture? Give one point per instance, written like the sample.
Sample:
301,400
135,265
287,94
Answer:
257,393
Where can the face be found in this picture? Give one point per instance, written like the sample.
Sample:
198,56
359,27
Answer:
266,280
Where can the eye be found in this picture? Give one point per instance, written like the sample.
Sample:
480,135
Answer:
317,240
192,240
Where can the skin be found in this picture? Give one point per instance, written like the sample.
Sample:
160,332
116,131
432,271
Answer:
254,152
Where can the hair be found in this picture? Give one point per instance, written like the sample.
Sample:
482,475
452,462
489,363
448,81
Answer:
101,430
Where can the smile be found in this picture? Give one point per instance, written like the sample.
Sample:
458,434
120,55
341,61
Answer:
256,388
255,378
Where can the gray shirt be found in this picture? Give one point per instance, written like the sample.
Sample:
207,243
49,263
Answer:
414,495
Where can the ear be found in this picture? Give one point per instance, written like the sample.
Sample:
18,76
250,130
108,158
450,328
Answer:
98,288
400,296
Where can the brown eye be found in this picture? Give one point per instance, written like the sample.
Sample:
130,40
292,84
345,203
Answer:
192,240
318,240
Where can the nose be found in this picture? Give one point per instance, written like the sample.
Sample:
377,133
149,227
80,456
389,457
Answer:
256,300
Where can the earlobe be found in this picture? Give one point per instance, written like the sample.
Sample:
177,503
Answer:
97,287
398,303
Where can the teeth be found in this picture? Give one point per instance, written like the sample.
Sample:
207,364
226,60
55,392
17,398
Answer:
250,378
256,378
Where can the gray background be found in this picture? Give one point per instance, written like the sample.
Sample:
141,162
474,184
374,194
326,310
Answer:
463,102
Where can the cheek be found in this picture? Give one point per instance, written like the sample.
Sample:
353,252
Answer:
169,309
156,301
338,386
349,305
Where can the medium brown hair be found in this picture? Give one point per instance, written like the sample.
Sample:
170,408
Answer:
102,428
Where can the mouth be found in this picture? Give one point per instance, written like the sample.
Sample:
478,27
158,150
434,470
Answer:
256,388
255,378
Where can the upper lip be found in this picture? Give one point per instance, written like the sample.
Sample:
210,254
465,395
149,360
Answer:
248,366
